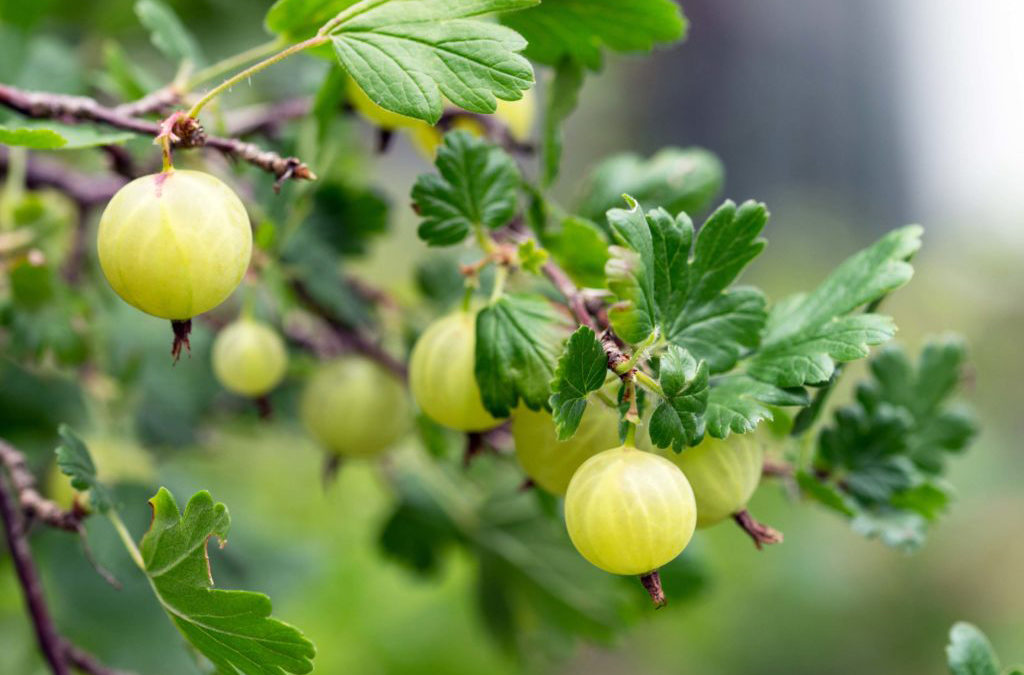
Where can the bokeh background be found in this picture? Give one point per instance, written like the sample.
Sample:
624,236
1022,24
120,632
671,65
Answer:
847,119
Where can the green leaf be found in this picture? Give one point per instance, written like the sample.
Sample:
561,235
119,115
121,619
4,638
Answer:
807,334
297,20
233,629
581,249
530,256
37,139
969,652
563,97
348,218
826,494
516,348
409,55
167,32
900,530
478,186
128,80
676,179
582,368
659,286
579,29
677,420
738,403
74,460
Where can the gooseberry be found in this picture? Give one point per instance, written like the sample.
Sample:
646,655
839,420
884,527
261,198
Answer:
355,407
442,374
551,463
249,357
174,244
517,116
629,511
722,473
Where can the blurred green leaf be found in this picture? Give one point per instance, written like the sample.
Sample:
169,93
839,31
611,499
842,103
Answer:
74,461
581,369
233,629
807,334
677,421
37,139
563,96
123,75
167,32
410,55
579,29
676,179
347,218
299,19
581,249
32,286
476,186
969,652
516,348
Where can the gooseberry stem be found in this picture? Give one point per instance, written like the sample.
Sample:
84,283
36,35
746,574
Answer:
630,441
252,70
652,583
500,277
639,353
235,61
649,382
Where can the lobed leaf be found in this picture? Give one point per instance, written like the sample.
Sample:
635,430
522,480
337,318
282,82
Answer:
233,629
806,335
738,403
659,286
677,421
969,652
410,55
74,461
476,185
580,29
582,368
516,348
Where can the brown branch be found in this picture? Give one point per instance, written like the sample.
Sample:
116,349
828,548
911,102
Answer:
74,109
762,535
349,337
84,189
159,102
33,505
18,506
774,469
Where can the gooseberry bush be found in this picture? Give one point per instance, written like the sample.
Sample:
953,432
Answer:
606,344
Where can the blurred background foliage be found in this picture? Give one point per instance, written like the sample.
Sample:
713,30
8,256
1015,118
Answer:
846,120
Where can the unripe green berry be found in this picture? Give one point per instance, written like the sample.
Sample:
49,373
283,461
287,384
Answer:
249,357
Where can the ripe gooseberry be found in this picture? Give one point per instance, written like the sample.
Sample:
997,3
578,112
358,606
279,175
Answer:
249,357
629,511
722,473
551,463
174,244
354,407
442,374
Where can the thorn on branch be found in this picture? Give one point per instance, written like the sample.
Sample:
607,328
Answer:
763,535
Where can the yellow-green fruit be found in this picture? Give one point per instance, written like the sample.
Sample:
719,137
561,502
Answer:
354,407
117,461
722,473
551,463
175,244
249,357
629,511
442,377
516,116
372,112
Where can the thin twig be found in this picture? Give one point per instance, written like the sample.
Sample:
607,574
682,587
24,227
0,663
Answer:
84,189
762,535
159,102
75,109
17,505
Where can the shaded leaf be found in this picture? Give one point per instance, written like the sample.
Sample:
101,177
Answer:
167,32
582,368
738,403
74,461
677,421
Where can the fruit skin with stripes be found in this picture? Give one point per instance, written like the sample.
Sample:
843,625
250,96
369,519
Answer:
629,511
174,244
354,407
442,374
722,473
249,357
